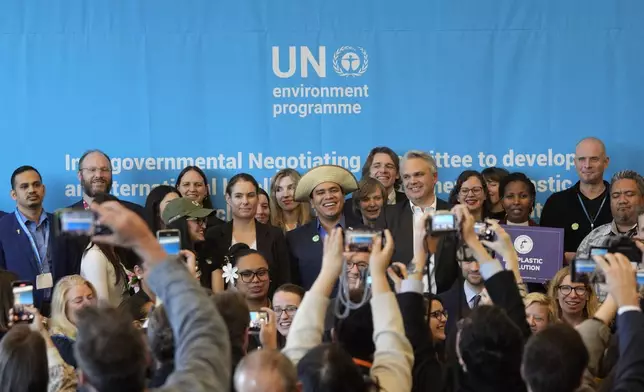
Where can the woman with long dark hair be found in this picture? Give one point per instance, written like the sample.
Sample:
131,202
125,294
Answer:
156,202
103,266
471,190
189,217
192,184
242,198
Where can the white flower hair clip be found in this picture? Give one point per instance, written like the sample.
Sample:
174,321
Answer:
230,273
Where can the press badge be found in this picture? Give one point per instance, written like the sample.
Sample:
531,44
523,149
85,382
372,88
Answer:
44,281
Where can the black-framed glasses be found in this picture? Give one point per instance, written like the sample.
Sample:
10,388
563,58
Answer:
475,190
199,221
290,310
438,313
248,276
361,266
567,289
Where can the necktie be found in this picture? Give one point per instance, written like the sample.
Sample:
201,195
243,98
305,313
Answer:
476,300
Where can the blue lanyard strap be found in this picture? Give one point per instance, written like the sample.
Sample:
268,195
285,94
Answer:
592,221
31,239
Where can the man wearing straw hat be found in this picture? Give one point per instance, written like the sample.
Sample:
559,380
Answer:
325,188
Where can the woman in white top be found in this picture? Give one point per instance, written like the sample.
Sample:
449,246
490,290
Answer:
101,266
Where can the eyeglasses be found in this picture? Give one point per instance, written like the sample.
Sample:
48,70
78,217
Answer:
361,266
248,276
579,290
437,314
290,311
199,221
93,170
476,191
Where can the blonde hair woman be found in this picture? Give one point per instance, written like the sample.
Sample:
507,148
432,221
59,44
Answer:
571,302
286,213
538,311
71,294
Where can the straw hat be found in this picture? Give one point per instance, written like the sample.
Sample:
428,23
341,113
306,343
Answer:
325,173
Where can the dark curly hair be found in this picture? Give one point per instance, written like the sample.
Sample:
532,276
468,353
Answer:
491,346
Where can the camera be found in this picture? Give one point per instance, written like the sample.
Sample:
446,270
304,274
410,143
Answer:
362,240
586,269
441,222
484,232
625,246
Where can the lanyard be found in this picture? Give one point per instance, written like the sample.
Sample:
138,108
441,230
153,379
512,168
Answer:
31,239
592,221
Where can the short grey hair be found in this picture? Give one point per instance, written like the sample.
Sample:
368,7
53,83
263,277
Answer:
417,154
629,175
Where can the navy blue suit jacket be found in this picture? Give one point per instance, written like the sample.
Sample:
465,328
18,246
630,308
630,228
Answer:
17,254
306,254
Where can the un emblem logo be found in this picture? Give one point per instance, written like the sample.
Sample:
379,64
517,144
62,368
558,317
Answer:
523,244
349,61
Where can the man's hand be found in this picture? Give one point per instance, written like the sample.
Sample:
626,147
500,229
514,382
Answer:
466,222
128,231
620,278
268,330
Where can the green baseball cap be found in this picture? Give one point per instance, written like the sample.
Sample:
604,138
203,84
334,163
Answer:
182,207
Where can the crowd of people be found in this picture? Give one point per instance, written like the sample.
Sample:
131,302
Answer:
415,310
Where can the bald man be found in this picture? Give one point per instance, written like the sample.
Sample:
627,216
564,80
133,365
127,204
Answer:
266,371
585,206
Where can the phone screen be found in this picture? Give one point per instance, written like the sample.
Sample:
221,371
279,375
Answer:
23,294
597,251
170,240
77,221
256,320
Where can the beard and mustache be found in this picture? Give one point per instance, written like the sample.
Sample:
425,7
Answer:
96,186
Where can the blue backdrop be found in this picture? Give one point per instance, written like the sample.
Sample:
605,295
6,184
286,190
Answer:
256,85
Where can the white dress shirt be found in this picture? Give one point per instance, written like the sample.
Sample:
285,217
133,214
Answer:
470,294
418,213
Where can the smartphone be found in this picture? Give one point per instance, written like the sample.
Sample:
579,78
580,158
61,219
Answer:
76,222
361,240
256,321
170,240
23,295
441,222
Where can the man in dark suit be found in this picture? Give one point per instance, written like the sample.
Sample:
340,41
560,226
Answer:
27,236
465,294
419,176
95,176
325,187
382,164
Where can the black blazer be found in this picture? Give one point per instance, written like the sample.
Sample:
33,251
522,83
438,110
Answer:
348,206
306,252
455,303
399,219
270,243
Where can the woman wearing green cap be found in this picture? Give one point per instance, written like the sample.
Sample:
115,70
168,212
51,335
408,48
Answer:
189,217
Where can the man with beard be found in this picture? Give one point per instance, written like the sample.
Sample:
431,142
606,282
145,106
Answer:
583,207
26,236
95,176
325,187
465,294
626,203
